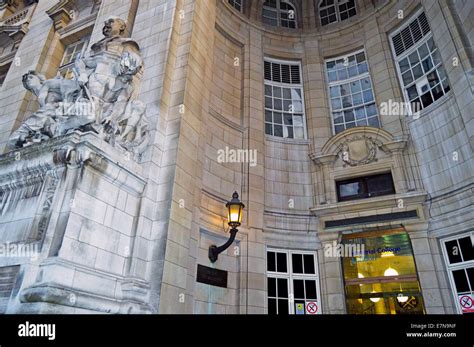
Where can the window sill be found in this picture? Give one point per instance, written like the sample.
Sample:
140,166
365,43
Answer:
370,204
287,140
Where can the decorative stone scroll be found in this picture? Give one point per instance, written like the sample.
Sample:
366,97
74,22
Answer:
103,97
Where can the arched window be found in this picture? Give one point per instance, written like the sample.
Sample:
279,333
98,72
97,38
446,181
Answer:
237,4
331,11
279,13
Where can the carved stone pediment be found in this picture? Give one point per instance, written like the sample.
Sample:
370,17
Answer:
60,13
360,146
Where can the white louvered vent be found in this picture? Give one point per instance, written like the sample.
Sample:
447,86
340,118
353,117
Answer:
283,73
411,34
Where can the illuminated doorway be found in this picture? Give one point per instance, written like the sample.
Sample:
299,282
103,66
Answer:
383,279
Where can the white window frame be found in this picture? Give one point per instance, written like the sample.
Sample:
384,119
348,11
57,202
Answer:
64,68
279,11
290,276
336,9
235,3
406,54
458,266
286,85
350,80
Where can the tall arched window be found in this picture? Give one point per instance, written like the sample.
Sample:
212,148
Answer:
279,13
331,11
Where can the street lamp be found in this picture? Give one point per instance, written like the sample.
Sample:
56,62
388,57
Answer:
234,217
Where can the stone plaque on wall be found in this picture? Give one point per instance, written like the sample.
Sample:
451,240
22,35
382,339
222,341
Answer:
213,277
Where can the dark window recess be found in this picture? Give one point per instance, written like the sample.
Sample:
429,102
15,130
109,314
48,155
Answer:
272,307
308,264
281,262
453,252
297,260
271,266
310,289
470,275
282,287
282,306
272,287
298,287
460,279
466,248
365,187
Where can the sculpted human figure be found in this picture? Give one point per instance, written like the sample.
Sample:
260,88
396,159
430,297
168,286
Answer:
106,80
41,124
102,67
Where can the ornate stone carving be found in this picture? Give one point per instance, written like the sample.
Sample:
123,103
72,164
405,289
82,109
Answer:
103,97
359,150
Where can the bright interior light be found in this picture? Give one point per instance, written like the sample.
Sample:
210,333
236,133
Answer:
387,254
359,275
374,299
390,272
402,298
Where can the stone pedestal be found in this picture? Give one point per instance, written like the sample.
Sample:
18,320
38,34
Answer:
75,200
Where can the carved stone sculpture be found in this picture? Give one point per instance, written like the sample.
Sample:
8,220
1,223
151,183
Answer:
102,98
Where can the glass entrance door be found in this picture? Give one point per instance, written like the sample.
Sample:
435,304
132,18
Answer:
383,279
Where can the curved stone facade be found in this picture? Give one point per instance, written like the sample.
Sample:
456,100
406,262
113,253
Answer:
120,234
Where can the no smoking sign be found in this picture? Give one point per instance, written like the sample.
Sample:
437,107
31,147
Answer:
312,307
466,303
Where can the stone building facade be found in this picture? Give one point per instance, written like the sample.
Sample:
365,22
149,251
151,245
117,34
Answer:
313,89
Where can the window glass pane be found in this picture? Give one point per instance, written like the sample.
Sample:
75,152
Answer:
277,118
413,58
281,262
298,287
271,261
357,98
295,94
427,64
278,130
272,309
268,116
470,276
349,116
363,68
350,189
374,122
404,66
466,248
268,129
272,287
310,289
368,96
298,133
460,280
336,103
297,260
282,306
453,251
417,71
380,185
407,77
298,120
308,264
355,87
282,287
